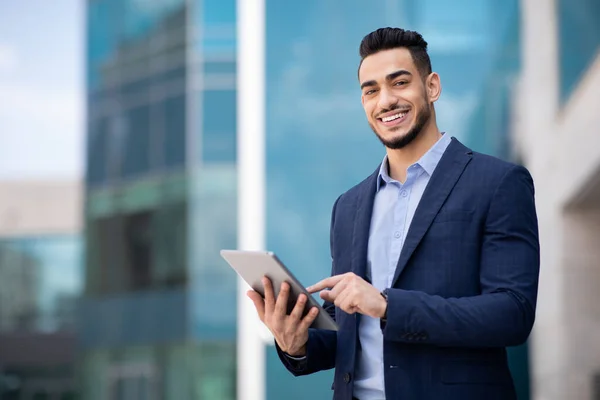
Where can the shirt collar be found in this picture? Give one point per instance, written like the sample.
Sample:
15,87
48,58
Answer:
427,162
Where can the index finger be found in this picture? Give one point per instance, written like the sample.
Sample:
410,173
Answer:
325,283
269,295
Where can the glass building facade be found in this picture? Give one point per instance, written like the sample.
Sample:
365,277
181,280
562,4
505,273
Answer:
158,315
40,284
158,319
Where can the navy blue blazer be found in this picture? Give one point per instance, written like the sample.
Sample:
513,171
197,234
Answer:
465,286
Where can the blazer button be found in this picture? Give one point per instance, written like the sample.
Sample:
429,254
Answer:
347,377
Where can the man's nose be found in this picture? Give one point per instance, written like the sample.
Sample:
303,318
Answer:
387,99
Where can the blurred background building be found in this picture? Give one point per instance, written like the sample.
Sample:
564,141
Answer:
159,311
556,107
40,283
157,315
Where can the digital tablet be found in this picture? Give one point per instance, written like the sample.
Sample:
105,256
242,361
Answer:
253,265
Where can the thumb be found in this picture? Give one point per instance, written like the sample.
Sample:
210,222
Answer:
326,295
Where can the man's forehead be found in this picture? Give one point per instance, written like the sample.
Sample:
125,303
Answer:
379,65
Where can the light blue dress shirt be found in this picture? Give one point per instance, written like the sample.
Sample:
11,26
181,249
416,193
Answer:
393,209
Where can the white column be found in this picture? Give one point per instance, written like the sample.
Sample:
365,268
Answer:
251,186
538,140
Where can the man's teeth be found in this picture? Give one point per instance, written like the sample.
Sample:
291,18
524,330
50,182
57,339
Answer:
393,117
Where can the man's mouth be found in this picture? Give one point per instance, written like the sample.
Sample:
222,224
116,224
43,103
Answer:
394,119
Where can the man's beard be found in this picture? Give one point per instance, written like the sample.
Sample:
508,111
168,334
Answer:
403,141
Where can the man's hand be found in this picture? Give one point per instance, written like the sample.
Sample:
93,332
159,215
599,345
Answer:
352,294
290,331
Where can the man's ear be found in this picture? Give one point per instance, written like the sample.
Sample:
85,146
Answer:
433,86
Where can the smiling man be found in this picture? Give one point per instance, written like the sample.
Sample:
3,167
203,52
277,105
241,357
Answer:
435,255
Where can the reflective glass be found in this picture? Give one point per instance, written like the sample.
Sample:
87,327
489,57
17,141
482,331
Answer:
41,279
136,156
215,367
213,285
579,40
111,23
154,273
213,222
96,152
219,126
220,67
102,36
135,59
216,21
174,134
218,12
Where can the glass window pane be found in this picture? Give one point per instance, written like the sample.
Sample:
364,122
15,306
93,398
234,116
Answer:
219,126
97,154
579,40
42,279
220,67
136,159
174,135
219,12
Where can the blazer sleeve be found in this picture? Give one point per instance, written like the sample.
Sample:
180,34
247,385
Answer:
504,313
321,345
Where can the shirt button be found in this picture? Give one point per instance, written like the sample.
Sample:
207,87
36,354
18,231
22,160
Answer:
347,377
397,235
404,193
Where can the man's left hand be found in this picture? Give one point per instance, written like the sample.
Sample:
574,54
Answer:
352,294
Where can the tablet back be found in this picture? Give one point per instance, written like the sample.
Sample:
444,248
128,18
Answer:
253,265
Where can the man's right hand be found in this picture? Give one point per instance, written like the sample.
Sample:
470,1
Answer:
290,331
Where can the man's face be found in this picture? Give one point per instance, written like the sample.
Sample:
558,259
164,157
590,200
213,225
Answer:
395,97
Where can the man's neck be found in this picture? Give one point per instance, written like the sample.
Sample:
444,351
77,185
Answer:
400,159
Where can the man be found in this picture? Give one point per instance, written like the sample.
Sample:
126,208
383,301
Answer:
435,255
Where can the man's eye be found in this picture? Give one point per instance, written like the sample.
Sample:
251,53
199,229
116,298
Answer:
400,83
370,92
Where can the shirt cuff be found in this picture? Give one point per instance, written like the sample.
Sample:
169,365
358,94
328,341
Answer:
295,358
297,363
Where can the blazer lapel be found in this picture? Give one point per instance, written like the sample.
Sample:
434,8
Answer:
362,225
443,179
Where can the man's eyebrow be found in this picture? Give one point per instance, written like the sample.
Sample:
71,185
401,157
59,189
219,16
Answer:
389,77
396,74
368,83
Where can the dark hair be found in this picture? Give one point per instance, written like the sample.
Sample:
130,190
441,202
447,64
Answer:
391,38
